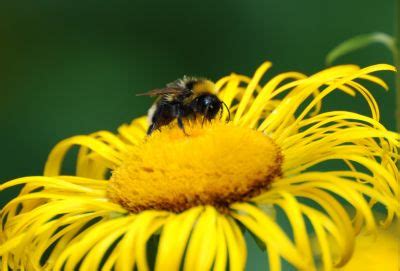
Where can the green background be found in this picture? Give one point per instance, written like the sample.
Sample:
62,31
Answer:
73,67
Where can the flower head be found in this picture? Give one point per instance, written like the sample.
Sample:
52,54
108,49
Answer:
174,172
192,195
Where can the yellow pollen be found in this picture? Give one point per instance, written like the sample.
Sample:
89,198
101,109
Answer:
217,164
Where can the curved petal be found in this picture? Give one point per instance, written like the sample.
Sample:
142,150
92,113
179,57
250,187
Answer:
202,245
174,238
107,154
235,242
269,232
99,152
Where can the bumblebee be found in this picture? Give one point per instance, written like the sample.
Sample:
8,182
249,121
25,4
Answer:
185,98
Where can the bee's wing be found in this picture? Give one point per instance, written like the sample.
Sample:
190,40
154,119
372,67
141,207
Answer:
163,91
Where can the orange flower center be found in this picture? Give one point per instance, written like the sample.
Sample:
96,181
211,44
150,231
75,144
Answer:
217,164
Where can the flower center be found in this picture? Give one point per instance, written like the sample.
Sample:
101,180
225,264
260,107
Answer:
217,164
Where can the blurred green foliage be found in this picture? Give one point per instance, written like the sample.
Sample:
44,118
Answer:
73,67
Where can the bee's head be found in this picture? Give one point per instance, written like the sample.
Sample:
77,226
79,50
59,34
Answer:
207,105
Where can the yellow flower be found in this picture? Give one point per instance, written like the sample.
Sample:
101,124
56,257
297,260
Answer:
191,197
377,252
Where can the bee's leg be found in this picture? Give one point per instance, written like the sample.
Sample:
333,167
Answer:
180,124
204,117
179,114
152,127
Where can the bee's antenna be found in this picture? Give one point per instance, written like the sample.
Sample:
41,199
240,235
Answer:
227,109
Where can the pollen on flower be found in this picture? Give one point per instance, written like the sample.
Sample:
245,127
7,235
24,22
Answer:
217,164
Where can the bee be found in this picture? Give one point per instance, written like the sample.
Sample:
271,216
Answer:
185,98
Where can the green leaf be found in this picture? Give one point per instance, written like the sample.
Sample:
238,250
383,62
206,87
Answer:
359,42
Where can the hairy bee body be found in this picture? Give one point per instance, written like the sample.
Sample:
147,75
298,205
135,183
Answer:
184,98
